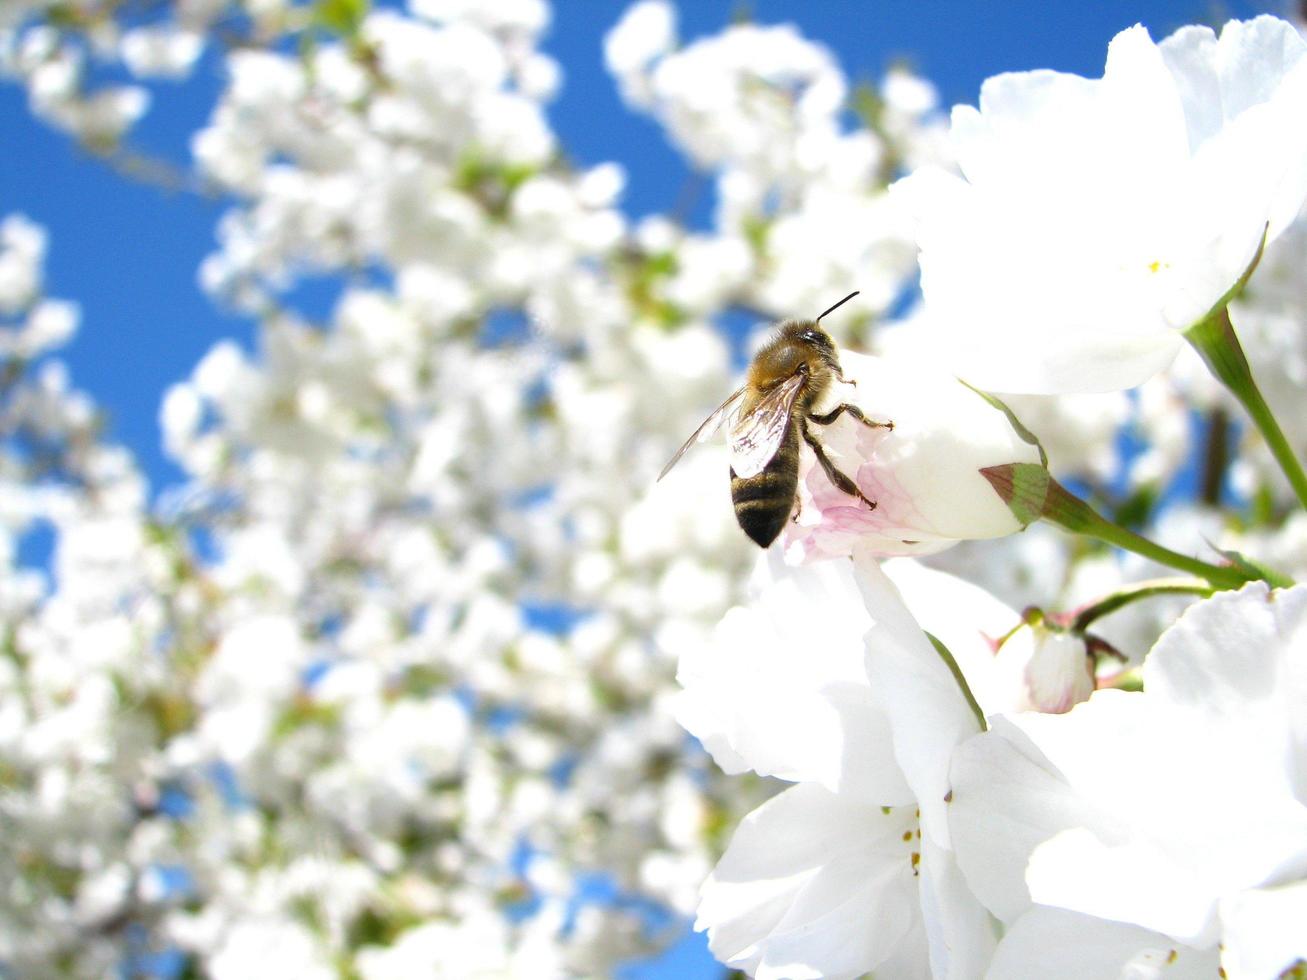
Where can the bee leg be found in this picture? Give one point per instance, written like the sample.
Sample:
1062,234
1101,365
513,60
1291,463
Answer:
833,474
853,410
839,376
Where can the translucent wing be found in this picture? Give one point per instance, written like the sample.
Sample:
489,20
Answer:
756,437
705,431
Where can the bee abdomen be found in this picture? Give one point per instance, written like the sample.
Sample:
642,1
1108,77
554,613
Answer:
763,502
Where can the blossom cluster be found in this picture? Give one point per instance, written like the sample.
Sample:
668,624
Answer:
397,681
395,666
981,792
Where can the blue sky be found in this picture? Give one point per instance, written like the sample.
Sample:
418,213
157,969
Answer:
129,253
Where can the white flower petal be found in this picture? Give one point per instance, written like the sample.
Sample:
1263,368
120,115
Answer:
1054,943
1130,881
960,931
812,885
927,711
1216,660
962,616
1170,800
911,958
1265,931
1177,788
782,689
1007,800
924,474
1190,55
1099,219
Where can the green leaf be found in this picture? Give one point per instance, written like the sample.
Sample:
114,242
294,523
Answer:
342,17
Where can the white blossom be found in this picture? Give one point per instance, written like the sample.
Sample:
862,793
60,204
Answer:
22,251
646,32
924,473
1099,219
161,51
804,876
1011,665
1047,669
385,685
1133,786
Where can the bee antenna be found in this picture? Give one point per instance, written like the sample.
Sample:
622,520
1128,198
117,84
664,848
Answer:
840,303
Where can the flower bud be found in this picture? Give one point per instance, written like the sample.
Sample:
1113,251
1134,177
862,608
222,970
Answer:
924,473
1039,667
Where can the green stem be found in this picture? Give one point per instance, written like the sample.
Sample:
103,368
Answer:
1066,510
1215,340
1031,494
958,676
1133,593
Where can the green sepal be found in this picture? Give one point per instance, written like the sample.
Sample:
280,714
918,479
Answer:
1255,570
951,662
1026,435
1032,494
1024,487
1233,292
1216,342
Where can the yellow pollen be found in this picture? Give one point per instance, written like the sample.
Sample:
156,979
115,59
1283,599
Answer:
907,835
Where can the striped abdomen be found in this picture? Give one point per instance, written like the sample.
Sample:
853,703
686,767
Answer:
763,502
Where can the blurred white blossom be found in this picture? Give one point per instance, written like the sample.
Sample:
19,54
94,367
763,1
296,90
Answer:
385,685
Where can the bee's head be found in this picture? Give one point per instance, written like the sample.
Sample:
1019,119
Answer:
798,346
809,334
806,333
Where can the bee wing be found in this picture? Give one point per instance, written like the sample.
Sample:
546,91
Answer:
706,430
756,437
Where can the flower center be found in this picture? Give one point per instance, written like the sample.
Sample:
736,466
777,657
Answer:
910,837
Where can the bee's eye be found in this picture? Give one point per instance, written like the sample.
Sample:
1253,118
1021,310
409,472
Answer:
811,336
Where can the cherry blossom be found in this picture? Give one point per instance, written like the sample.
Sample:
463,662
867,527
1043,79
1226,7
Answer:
1098,219
923,473
384,683
861,838
1132,786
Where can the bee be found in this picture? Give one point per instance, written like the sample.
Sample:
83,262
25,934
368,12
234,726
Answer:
770,413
